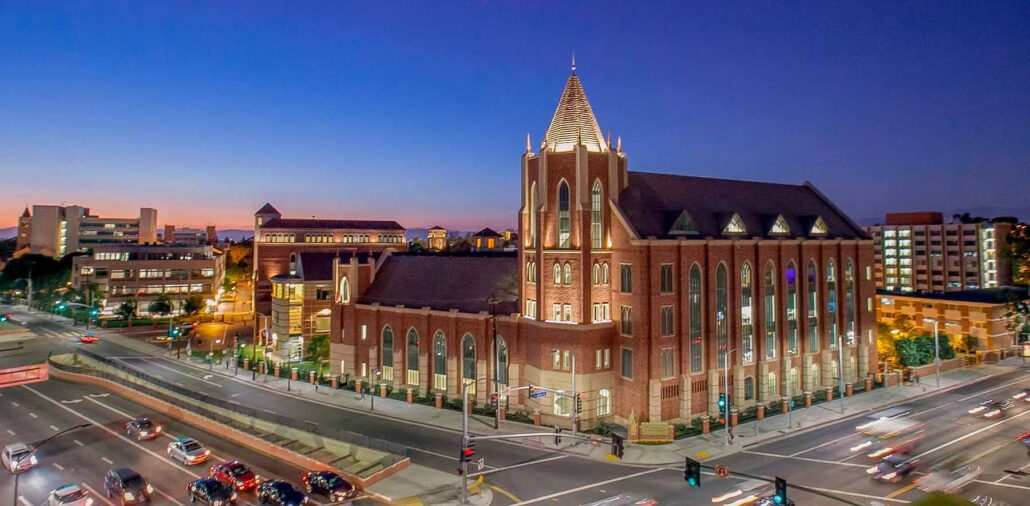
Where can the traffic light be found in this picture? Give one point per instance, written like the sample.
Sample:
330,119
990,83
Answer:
493,400
722,401
618,445
557,435
3,317
468,451
692,472
94,312
579,403
781,491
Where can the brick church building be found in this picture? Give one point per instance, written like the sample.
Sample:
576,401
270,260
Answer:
651,283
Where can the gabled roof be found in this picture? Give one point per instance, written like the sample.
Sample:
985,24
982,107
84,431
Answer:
267,209
653,202
487,232
332,224
574,120
318,266
438,227
683,225
445,282
26,213
779,226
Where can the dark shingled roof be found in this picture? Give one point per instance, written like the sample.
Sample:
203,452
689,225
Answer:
318,266
487,232
445,282
652,203
267,209
333,224
1000,295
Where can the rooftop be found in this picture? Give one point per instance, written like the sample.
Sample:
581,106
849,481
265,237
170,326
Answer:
574,122
443,282
315,224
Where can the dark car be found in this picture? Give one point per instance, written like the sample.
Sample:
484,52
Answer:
234,474
128,486
211,491
142,428
281,493
893,467
329,484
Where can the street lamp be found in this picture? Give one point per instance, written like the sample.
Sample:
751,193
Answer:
378,374
32,451
726,375
936,348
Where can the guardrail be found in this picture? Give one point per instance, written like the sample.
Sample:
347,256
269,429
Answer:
295,423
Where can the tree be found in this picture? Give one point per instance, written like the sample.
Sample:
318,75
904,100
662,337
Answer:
161,306
1019,252
194,303
885,349
127,310
318,350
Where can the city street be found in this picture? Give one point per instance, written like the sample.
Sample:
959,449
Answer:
818,458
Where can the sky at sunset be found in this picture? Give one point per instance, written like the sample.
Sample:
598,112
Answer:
418,111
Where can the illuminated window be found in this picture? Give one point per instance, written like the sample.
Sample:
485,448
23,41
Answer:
564,222
746,316
695,319
596,216
770,313
440,361
468,362
819,227
780,226
735,225
721,308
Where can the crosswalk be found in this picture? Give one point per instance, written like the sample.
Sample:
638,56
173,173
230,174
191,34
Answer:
57,334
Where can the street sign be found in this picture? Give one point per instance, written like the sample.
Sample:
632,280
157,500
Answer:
480,464
537,395
722,471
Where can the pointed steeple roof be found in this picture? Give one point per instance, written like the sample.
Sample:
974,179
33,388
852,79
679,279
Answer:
267,209
574,121
26,213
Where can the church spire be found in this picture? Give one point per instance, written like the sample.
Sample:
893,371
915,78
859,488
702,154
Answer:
574,122
529,145
573,63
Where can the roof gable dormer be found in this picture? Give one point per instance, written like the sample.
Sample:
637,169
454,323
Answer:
819,227
684,225
780,226
735,226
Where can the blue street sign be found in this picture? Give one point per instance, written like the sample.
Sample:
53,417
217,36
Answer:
539,394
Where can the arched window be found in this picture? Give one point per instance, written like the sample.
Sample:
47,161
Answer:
557,273
770,313
849,303
812,280
344,290
695,319
749,388
386,360
412,357
532,214
596,276
596,216
567,274
831,304
439,361
792,309
502,362
468,363
293,263
604,273
564,222
721,308
747,332
771,386
604,402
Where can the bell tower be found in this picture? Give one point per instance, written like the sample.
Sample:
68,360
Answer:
564,223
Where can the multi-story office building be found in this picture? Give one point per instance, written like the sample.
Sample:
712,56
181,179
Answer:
920,252
143,273
59,230
983,314
190,236
656,285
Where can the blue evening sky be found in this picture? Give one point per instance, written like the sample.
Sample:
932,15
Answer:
418,111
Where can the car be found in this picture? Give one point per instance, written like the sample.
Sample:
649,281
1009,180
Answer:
142,428
69,494
896,445
1024,394
18,458
893,467
746,493
88,337
328,484
235,474
187,328
211,491
625,500
771,501
280,493
992,408
127,485
946,481
188,451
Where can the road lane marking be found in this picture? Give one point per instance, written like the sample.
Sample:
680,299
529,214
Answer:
107,461
856,494
24,501
96,495
170,498
971,434
593,485
997,484
11,432
269,411
58,466
154,363
516,466
821,461
102,427
79,442
15,404
33,415
54,428
514,498
901,490
73,401
999,480
992,389
795,454
982,454
100,396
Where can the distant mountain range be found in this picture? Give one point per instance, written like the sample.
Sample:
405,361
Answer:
9,232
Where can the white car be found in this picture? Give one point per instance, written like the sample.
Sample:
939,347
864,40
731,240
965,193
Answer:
948,481
18,458
69,494
188,451
747,493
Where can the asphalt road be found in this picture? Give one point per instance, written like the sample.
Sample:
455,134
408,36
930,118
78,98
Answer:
818,458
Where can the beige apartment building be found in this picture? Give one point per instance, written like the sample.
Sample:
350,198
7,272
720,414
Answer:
145,272
982,314
59,230
920,252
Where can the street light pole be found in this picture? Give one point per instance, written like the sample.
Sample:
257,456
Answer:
936,348
840,370
32,450
726,375
376,373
